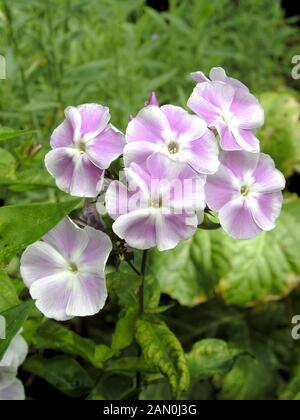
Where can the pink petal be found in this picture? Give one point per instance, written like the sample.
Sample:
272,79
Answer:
248,113
60,164
227,140
139,151
199,77
150,124
88,295
202,154
246,139
237,220
267,177
106,147
211,99
137,228
87,178
40,260
221,188
52,295
74,118
242,164
67,239
95,255
171,229
94,119
117,199
266,208
184,127
62,136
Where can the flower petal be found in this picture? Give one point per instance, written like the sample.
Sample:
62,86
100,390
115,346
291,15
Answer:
221,188
52,295
68,240
60,164
150,125
13,391
245,139
267,177
117,199
237,220
88,295
94,119
74,118
15,354
106,147
62,136
137,228
184,126
87,179
199,77
227,140
139,151
211,99
202,154
95,255
248,113
40,260
242,164
266,208
171,229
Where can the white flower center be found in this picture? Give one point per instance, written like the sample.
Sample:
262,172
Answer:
81,146
173,147
156,202
245,190
73,268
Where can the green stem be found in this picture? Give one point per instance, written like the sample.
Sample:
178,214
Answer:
141,309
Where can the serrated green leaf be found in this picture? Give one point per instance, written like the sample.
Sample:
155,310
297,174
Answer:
15,318
210,357
8,295
24,224
190,271
162,350
280,134
64,373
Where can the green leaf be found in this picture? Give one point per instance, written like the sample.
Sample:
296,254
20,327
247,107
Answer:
15,318
8,133
126,286
24,224
280,134
52,335
249,379
8,295
210,357
30,178
267,267
292,390
163,351
7,167
124,331
129,364
63,373
190,271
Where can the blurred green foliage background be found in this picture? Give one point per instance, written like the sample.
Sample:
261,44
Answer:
240,296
